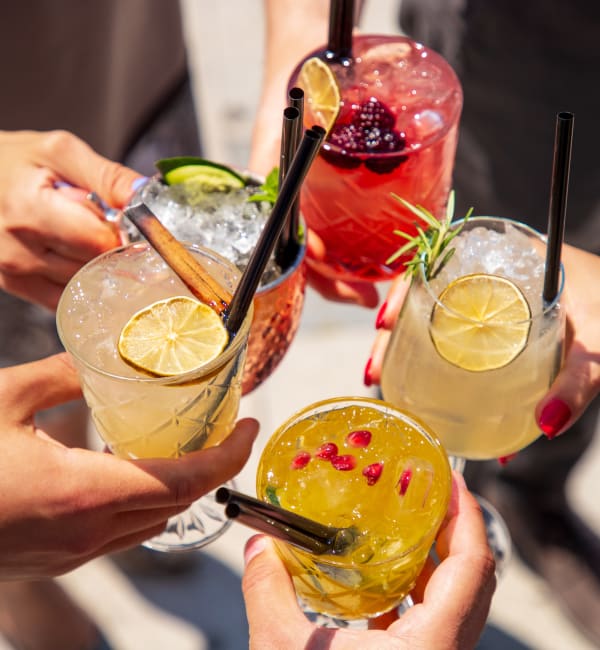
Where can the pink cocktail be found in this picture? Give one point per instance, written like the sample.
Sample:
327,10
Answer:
396,132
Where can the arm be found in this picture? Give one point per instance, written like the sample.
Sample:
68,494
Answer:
293,30
61,507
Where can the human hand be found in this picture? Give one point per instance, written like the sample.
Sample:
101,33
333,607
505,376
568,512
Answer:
359,293
452,600
46,234
578,382
60,507
384,323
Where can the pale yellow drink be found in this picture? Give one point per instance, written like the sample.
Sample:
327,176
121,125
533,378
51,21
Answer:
478,413
358,462
137,415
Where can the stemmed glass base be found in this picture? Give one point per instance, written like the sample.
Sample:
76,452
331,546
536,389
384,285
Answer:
497,531
199,525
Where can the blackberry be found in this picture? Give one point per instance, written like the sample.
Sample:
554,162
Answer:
347,137
349,140
373,113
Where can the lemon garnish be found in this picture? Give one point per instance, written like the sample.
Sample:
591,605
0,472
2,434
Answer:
484,323
321,91
172,336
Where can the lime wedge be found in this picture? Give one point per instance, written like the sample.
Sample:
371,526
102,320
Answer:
172,336
485,322
202,173
322,93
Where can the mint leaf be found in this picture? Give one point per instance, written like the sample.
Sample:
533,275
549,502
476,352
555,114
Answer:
269,189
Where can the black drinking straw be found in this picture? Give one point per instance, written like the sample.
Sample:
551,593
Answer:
287,247
244,293
285,525
561,167
341,23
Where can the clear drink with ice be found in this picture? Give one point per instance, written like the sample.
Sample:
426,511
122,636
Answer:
479,395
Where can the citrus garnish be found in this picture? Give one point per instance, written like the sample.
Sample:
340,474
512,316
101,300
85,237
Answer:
483,323
321,91
210,176
172,336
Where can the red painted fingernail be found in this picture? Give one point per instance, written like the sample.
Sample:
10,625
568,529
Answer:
553,417
367,379
504,460
380,316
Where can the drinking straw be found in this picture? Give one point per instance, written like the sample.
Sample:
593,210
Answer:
286,248
176,255
284,524
244,293
341,23
561,167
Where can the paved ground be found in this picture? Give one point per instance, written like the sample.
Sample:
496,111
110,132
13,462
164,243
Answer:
202,608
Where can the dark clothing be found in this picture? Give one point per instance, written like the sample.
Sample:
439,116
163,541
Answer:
114,72
520,64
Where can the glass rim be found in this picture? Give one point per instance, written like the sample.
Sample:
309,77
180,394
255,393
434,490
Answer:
259,180
537,314
404,153
210,368
383,407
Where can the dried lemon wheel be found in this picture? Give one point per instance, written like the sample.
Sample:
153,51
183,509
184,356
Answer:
321,91
172,336
484,323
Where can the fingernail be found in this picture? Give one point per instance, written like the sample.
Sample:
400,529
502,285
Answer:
367,379
504,460
139,182
380,316
553,417
254,546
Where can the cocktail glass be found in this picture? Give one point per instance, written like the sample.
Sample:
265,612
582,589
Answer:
230,225
396,131
142,416
357,462
479,396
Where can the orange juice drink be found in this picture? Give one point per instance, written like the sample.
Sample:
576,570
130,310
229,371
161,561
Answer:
362,463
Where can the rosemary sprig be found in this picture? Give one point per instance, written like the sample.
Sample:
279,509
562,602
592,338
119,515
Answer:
431,242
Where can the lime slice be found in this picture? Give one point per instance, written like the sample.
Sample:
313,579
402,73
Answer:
484,325
172,336
199,172
321,92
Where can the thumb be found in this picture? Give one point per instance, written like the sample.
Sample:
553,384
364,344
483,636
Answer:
31,387
270,597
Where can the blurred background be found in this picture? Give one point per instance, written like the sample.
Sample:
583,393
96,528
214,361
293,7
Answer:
199,605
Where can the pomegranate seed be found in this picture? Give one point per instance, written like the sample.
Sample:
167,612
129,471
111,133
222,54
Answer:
300,460
360,438
373,472
344,463
327,451
404,481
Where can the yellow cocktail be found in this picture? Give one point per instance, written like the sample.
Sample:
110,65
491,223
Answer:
475,348
139,415
358,462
